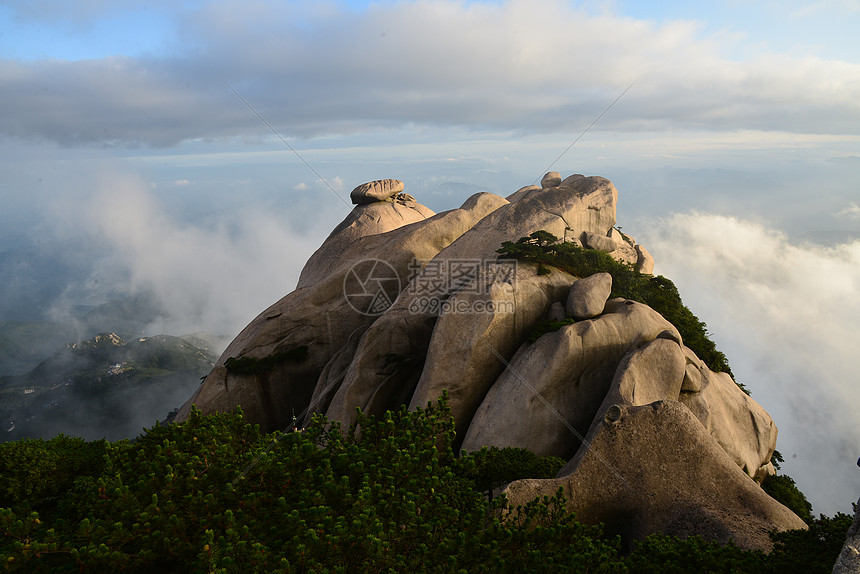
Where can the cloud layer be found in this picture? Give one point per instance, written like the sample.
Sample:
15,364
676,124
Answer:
212,274
315,69
788,317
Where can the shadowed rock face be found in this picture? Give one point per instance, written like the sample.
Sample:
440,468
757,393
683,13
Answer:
560,381
399,305
654,468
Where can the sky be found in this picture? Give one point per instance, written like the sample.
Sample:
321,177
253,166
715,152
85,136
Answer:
135,156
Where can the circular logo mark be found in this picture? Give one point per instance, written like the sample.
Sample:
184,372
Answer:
371,286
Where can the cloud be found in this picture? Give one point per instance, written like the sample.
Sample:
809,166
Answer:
851,212
213,274
788,318
846,7
318,69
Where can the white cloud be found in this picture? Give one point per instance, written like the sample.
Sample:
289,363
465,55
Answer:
213,274
320,69
788,318
181,182
301,186
839,6
851,212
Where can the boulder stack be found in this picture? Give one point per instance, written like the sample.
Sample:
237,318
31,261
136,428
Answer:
400,304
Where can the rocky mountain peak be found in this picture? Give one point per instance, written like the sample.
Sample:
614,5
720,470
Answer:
99,341
400,305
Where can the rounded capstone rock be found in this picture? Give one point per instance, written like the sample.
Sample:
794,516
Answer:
551,179
379,190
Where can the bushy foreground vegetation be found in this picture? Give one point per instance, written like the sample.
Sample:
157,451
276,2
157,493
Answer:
213,494
657,292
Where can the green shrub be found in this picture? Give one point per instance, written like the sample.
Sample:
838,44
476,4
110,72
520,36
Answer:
39,471
783,489
657,292
546,326
213,494
254,366
495,467
810,551
661,554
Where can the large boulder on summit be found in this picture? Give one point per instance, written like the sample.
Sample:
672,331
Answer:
400,305
551,179
379,190
369,217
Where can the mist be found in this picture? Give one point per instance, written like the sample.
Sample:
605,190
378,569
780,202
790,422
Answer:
787,315
120,236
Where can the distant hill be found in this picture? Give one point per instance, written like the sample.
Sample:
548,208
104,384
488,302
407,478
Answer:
106,386
24,344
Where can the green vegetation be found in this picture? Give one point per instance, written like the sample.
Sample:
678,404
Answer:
252,366
783,489
794,552
495,467
213,494
813,550
658,292
40,470
546,326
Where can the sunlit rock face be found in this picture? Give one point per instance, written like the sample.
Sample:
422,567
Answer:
849,559
400,305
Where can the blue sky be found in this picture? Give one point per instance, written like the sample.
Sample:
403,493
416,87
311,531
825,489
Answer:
102,29
124,153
